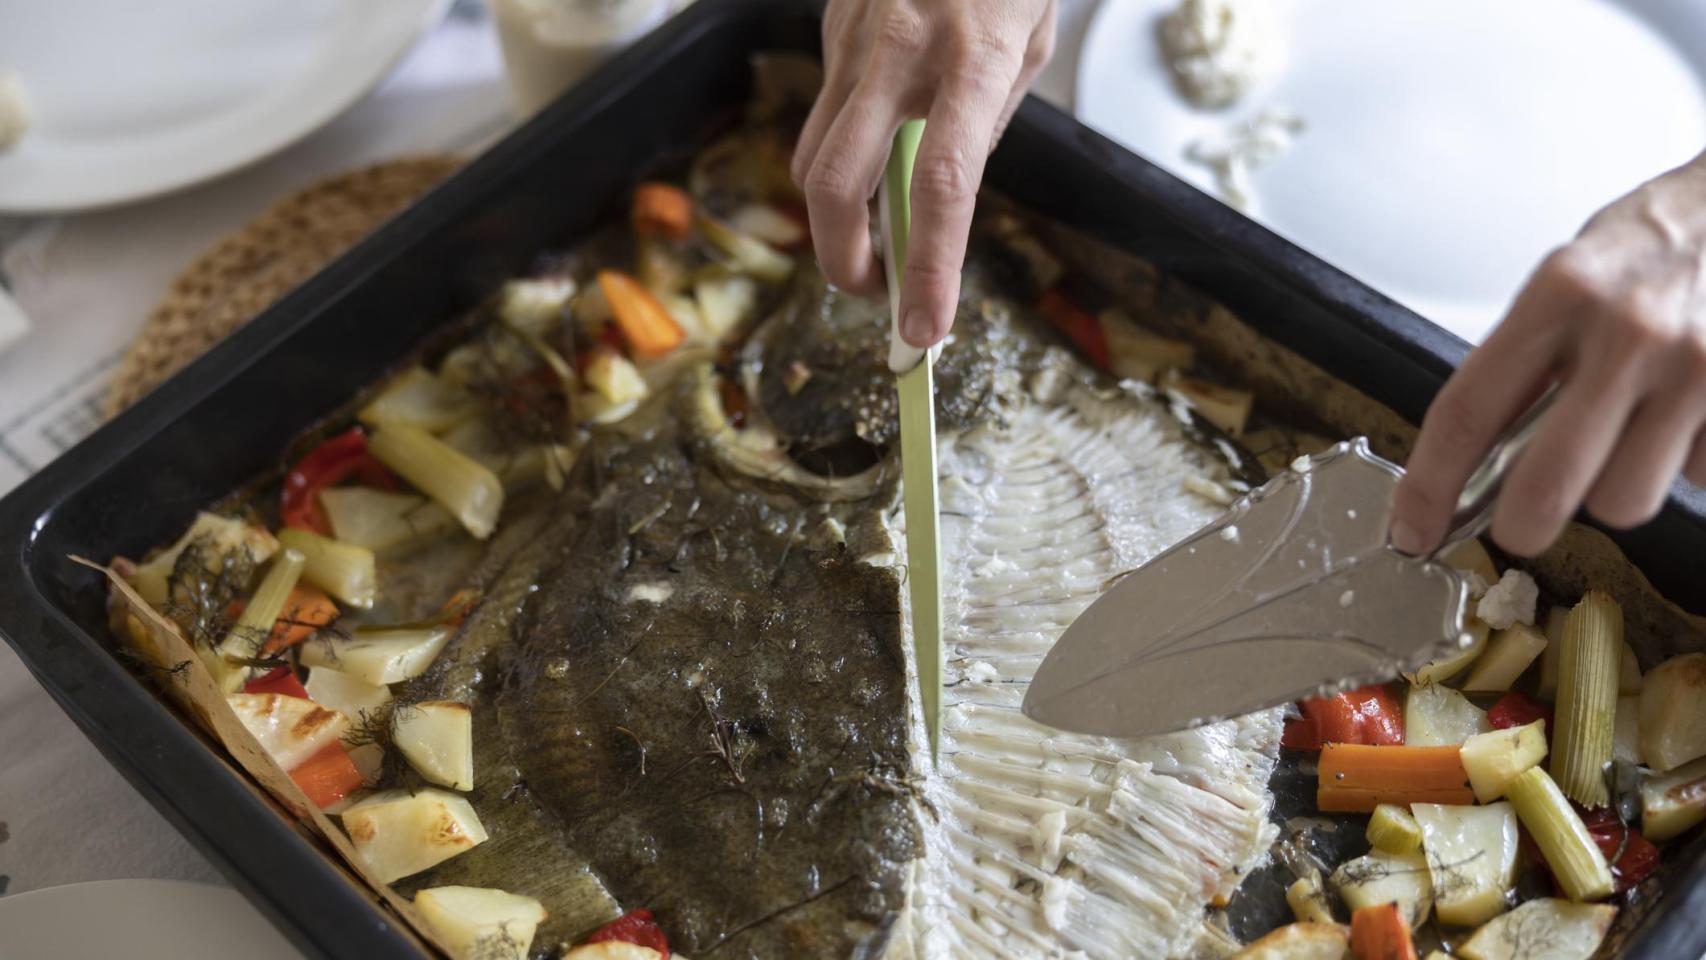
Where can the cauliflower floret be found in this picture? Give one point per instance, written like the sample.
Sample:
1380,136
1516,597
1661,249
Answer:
1510,601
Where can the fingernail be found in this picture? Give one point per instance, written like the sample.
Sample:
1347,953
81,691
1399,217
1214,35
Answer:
915,326
1405,538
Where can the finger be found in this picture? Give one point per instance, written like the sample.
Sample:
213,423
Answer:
945,178
825,109
1653,450
1695,471
1496,382
842,178
1037,54
1550,479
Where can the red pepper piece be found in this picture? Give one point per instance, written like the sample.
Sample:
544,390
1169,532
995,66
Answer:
1518,710
1301,733
1083,329
636,927
1382,718
330,463
1367,715
280,681
1639,858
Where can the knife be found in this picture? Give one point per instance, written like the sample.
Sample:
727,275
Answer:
915,382
1294,592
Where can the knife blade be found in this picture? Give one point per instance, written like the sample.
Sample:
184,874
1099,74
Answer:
1295,591
915,382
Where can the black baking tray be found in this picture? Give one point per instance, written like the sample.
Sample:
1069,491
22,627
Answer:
223,420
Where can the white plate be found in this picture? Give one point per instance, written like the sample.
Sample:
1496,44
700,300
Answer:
1449,143
137,920
134,99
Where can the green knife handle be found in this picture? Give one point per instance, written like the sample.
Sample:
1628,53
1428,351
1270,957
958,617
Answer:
894,203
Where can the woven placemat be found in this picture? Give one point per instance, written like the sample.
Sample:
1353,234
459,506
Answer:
247,271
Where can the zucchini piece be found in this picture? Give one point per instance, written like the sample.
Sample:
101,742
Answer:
1509,652
1392,829
1452,664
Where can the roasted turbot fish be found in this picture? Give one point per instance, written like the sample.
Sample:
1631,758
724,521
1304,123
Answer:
692,684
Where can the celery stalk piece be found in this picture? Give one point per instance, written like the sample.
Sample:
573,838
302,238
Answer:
250,633
345,571
1575,859
1587,698
472,493
1308,899
1392,829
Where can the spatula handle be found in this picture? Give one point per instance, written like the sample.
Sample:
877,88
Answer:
1474,511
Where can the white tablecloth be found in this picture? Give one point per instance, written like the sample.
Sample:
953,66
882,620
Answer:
86,283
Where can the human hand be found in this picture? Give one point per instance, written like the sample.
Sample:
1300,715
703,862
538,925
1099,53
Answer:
1618,317
963,65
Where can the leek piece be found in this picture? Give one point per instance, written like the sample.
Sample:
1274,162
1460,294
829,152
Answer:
345,571
1570,851
1673,712
1547,689
472,493
420,399
1308,899
1587,698
1392,829
378,519
250,633
1508,654
750,255
1672,802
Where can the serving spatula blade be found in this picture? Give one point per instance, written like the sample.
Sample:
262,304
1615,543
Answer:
1293,591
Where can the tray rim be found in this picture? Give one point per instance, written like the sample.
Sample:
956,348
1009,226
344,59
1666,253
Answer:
240,832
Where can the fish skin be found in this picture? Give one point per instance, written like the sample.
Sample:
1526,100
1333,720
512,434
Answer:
669,592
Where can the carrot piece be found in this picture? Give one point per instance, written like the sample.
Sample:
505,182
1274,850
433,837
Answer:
1381,933
306,611
327,776
645,324
1358,777
662,210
